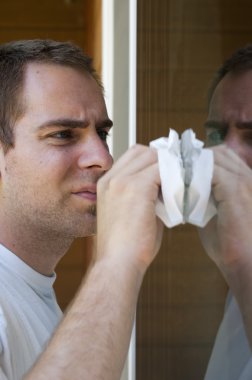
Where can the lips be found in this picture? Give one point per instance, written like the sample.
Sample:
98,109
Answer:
87,192
87,195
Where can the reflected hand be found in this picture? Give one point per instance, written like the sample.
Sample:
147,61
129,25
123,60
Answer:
227,238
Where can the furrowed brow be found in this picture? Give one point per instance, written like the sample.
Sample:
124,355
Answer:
215,124
222,125
68,123
244,125
107,123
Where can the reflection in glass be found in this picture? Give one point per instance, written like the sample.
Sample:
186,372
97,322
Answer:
180,46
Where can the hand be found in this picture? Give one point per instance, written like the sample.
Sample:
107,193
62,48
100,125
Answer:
103,311
227,238
127,226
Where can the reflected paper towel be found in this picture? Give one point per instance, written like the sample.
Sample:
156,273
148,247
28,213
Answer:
186,170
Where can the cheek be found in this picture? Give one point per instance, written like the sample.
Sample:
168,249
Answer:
42,169
27,176
246,155
249,160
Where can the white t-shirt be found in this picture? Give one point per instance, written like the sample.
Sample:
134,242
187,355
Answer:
29,314
231,358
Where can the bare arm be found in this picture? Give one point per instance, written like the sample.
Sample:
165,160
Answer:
92,341
228,238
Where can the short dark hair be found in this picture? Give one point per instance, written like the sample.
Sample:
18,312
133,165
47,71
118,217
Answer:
14,57
240,61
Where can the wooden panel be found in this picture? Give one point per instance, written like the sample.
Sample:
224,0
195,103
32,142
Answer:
174,89
29,14
167,359
68,281
160,122
77,37
94,34
196,47
221,16
72,269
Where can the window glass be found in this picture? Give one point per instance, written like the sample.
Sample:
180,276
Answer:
180,45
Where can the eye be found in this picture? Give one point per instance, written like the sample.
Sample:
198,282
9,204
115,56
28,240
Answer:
63,135
215,137
103,133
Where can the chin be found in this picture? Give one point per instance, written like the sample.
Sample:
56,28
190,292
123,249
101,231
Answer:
88,228
80,225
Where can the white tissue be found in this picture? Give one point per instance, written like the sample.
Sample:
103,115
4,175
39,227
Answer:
186,170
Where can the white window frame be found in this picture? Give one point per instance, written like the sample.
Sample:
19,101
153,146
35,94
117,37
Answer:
119,18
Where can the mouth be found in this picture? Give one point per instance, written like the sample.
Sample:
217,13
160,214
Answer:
87,193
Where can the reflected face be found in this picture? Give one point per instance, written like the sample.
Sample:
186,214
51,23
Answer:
230,115
48,180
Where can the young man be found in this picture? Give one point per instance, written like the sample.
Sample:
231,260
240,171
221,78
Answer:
227,238
53,151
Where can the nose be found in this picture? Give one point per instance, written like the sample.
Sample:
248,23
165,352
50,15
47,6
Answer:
94,153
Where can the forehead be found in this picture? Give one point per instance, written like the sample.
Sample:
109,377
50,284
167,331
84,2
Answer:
53,84
232,97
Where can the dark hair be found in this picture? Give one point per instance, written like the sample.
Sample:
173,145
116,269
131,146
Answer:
240,61
14,57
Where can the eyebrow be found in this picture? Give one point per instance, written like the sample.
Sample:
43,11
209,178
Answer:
220,125
107,123
215,124
75,123
244,125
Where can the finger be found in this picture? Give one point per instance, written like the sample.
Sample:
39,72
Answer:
134,160
229,160
147,178
224,183
136,185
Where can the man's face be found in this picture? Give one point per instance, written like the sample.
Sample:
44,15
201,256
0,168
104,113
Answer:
230,115
48,180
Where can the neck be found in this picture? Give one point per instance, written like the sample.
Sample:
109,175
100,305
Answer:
41,254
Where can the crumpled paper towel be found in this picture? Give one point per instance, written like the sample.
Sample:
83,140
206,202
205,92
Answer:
186,170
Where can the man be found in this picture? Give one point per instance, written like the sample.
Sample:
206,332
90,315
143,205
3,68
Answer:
53,151
227,238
